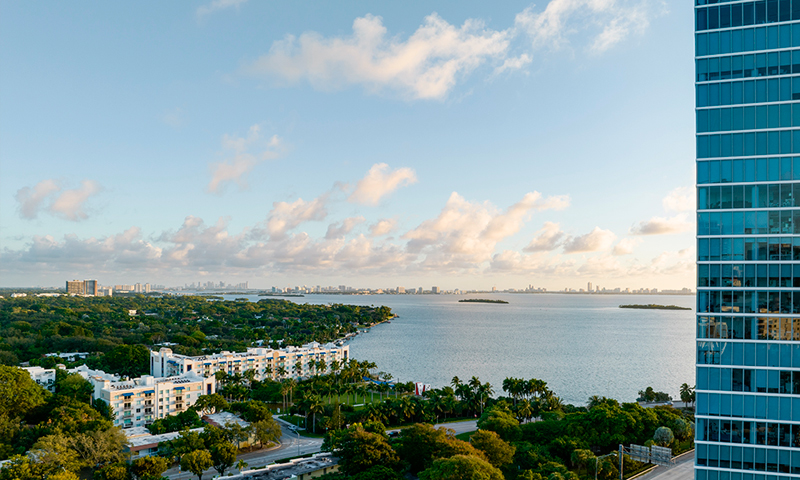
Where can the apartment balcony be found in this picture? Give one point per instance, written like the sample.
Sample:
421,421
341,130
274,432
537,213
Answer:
178,399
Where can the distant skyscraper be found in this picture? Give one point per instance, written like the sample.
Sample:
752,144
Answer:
434,289
589,287
82,287
748,239
75,287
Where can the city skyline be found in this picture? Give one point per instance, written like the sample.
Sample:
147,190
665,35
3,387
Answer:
438,144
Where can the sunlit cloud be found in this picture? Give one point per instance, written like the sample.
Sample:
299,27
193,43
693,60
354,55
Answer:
379,182
68,204
245,154
426,65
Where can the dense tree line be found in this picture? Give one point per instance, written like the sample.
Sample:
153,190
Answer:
528,435
118,341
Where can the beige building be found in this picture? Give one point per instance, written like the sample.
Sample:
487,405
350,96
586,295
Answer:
141,401
289,362
82,287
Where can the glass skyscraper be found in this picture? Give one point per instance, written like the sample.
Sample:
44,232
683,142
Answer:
747,65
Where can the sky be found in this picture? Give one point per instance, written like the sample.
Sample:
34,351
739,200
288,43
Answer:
375,144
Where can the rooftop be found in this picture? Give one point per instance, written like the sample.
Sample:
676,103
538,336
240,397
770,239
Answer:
293,469
139,437
223,418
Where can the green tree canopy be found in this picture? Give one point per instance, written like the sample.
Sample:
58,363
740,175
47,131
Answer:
197,462
420,444
18,392
459,467
360,450
497,451
224,456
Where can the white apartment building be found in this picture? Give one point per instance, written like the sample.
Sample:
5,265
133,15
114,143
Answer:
140,401
266,362
46,377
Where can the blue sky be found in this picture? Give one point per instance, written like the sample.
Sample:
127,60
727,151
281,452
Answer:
460,144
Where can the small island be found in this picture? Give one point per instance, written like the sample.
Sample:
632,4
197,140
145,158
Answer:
480,300
656,307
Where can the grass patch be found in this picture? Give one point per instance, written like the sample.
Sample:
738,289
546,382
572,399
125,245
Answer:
465,436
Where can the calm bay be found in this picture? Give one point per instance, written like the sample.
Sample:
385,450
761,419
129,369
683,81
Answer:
581,345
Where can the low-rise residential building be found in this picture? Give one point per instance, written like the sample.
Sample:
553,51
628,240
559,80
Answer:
297,469
142,443
140,401
225,420
94,376
45,377
294,362
70,357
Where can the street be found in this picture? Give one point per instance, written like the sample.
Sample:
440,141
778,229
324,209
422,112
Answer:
294,445
682,470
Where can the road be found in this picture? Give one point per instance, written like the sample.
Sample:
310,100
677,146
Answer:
682,470
292,445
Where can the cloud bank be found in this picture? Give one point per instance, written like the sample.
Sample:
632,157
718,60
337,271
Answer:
68,204
434,58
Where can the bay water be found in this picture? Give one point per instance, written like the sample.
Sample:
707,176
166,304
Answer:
581,345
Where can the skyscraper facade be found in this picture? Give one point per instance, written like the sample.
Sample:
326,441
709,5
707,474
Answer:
748,239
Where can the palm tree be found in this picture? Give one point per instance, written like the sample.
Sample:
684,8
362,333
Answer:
298,368
407,407
250,375
376,413
361,389
221,376
455,382
284,391
525,410
315,406
282,371
686,393
292,383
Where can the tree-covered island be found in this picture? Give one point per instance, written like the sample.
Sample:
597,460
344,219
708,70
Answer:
653,306
480,300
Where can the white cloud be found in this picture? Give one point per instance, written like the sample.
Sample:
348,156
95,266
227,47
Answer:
662,226
626,246
285,216
69,204
609,22
549,238
246,152
425,66
217,5
465,233
596,240
509,223
340,229
379,182
31,199
382,227
514,63
681,199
